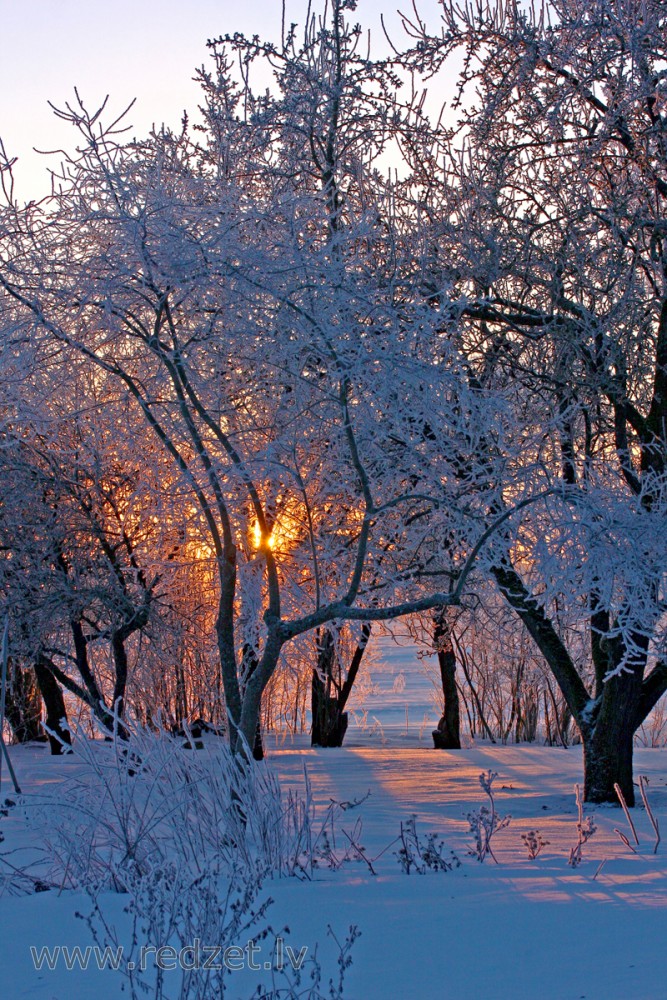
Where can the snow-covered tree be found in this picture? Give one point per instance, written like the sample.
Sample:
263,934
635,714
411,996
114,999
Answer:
264,316
549,224
86,544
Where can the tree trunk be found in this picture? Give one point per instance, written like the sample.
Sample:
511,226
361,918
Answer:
94,699
608,743
181,695
607,761
56,714
224,627
23,706
258,745
250,664
330,720
120,665
329,723
253,689
608,722
447,736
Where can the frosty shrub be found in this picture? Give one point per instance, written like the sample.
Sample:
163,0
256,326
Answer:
179,916
188,836
485,821
15,878
149,801
288,984
172,911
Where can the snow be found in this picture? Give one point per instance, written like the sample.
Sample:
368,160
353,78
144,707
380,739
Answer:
514,931
519,929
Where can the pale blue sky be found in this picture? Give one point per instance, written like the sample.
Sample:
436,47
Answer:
146,49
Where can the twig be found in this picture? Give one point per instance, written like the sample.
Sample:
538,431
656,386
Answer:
600,867
643,782
358,850
624,839
621,799
585,830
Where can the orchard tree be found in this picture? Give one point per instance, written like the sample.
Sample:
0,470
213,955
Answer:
548,227
264,317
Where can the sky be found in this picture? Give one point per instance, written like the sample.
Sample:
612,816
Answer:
143,49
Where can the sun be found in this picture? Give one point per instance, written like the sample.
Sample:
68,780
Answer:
258,540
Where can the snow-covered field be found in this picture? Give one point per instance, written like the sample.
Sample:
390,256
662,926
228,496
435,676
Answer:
519,929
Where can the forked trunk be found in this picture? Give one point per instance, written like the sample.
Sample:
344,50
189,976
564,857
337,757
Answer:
329,723
251,703
330,693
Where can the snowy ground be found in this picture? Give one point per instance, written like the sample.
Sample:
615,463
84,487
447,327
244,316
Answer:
519,930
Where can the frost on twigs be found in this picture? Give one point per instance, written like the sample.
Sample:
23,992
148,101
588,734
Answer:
200,922
485,821
585,830
420,855
176,914
643,784
15,878
289,983
188,839
147,801
327,847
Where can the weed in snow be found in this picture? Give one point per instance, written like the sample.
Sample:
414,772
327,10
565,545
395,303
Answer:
585,830
534,843
485,821
422,855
